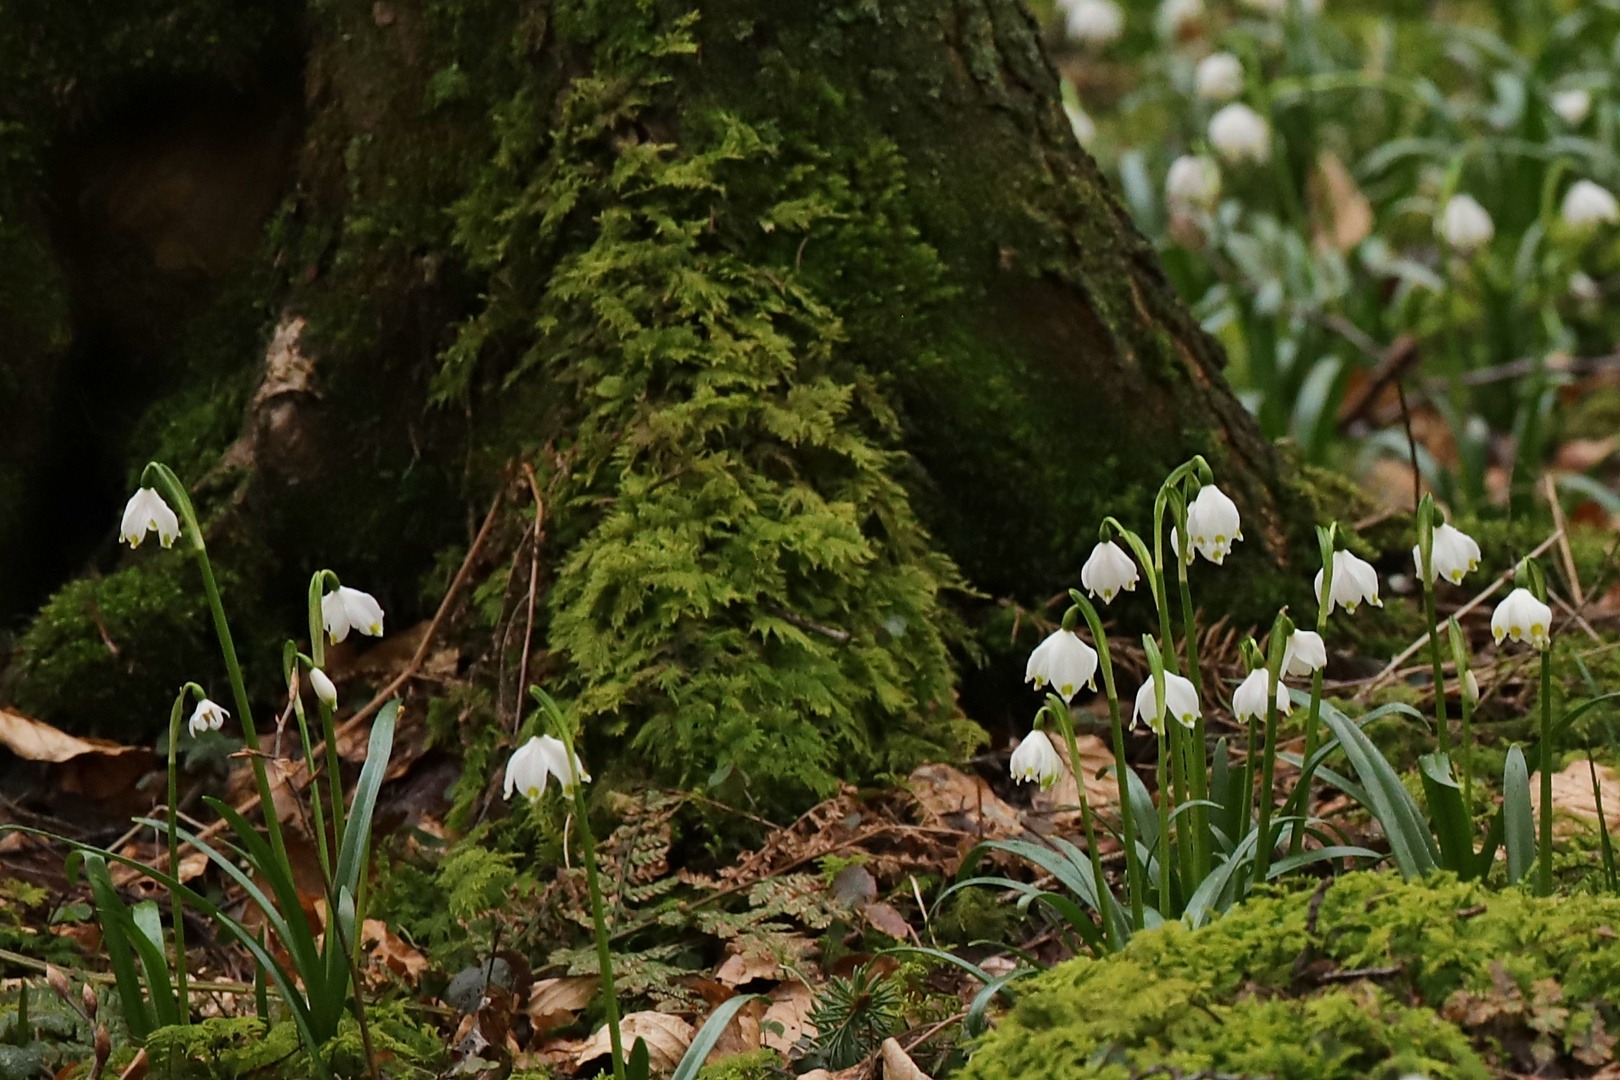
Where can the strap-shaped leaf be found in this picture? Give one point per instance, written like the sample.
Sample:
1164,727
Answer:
708,1035
1209,893
146,938
1388,800
974,1023
1518,817
357,832
1452,823
115,933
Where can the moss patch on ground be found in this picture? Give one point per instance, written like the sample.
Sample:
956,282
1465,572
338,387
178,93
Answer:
1370,977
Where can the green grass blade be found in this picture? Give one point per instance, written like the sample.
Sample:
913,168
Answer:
1610,878
975,1023
115,933
1393,806
1207,896
1452,822
147,940
357,833
1290,863
708,1035
1519,819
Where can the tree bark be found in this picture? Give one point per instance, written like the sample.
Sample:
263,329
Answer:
812,317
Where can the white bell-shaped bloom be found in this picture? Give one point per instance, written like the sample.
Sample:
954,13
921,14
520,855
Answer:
1108,571
1036,759
1452,554
1249,699
146,511
1193,183
1466,225
1305,653
1175,546
1354,581
1219,77
1182,698
1587,204
1081,123
322,685
1572,106
1064,662
1094,22
535,762
1180,20
344,609
1238,133
207,716
1470,685
1523,618
1213,524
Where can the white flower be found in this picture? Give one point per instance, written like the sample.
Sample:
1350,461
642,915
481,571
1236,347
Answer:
535,762
1239,133
1572,106
1586,204
1179,692
1219,77
1213,524
1064,661
1466,225
207,716
1094,22
1470,685
1452,554
1354,580
1180,19
1084,128
322,685
145,511
1037,760
1193,182
1175,546
1523,618
1305,652
1249,700
344,609
1108,571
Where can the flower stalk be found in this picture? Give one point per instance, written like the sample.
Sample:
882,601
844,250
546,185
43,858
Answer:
1426,574
1280,632
1325,539
1060,710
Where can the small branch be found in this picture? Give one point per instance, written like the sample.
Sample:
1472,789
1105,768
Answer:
534,582
840,636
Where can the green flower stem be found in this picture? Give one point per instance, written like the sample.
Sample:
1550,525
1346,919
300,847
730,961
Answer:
1127,823
1301,800
1442,728
1544,880
1464,762
175,907
317,655
1066,721
604,952
1197,758
168,485
1164,823
1263,845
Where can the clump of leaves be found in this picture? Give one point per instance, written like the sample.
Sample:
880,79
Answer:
854,1015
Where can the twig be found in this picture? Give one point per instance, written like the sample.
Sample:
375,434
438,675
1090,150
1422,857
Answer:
1563,543
534,582
1411,446
1506,576
832,632
1574,614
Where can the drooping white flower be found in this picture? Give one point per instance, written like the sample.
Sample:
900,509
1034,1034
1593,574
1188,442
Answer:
533,764
1036,759
1193,183
146,511
1587,204
1083,126
1213,524
1175,546
1523,618
1238,133
322,685
1179,693
1180,20
1064,662
207,716
1108,571
344,609
1094,22
1466,225
1452,554
1305,652
1354,581
1572,106
1219,77
1249,699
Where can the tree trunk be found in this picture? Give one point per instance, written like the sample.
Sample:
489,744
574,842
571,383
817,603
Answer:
810,317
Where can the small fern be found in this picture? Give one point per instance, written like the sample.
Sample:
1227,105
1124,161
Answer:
853,1016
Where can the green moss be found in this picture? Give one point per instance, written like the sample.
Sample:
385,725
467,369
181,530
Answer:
754,1065
1238,996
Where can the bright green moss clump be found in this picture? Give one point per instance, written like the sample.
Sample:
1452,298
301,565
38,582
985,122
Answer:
1458,981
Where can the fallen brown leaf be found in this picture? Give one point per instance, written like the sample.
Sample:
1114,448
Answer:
1343,217
390,951
958,801
667,1037
897,1064
887,920
555,1003
1572,793
742,1035
740,969
790,1008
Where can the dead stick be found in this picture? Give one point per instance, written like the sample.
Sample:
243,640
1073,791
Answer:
1563,544
1506,576
534,581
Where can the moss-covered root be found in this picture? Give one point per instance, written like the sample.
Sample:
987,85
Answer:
1383,979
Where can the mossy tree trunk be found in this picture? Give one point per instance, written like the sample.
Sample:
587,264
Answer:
812,317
